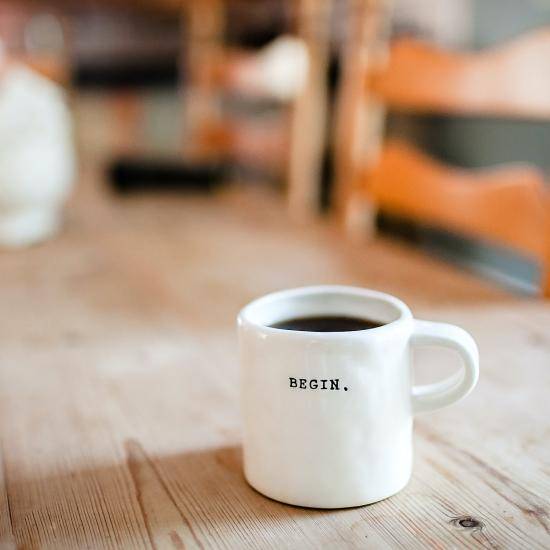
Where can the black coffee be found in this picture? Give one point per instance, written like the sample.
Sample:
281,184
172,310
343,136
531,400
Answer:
327,323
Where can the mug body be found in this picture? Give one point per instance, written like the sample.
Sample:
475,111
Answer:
327,416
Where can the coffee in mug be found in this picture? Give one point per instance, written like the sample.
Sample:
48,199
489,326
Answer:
327,323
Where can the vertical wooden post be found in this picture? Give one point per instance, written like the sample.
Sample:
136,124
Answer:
309,116
203,32
359,117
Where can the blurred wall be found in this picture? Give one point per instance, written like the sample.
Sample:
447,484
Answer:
498,20
445,22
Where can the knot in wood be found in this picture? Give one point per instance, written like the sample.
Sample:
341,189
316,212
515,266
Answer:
467,522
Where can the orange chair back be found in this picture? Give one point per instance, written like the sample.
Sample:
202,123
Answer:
511,81
509,205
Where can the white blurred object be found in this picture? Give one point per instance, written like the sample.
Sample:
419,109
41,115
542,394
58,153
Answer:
279,70
283,66
37,157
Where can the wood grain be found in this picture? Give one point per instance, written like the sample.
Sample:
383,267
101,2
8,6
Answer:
119,419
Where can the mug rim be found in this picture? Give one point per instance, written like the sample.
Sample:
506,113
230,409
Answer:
405,315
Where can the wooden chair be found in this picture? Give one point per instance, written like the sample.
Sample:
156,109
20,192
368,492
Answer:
508,205
212,68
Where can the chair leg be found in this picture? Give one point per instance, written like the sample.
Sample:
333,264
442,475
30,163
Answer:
309,115
360,218
202,49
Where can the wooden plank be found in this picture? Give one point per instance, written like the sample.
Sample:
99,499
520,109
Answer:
119,397
507,205
508,80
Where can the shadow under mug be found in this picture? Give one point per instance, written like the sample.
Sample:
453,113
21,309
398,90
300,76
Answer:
328,416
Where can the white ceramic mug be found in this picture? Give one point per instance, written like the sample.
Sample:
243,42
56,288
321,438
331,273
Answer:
328,415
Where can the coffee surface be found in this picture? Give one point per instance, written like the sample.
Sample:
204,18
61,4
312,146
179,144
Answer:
327,323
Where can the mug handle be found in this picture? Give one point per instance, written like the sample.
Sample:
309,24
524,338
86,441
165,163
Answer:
430,397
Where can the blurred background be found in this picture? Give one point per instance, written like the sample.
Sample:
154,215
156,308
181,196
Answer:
194,96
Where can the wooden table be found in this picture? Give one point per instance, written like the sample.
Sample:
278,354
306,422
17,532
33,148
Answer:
119,387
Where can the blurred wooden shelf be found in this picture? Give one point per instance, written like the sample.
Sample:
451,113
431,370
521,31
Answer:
119,386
